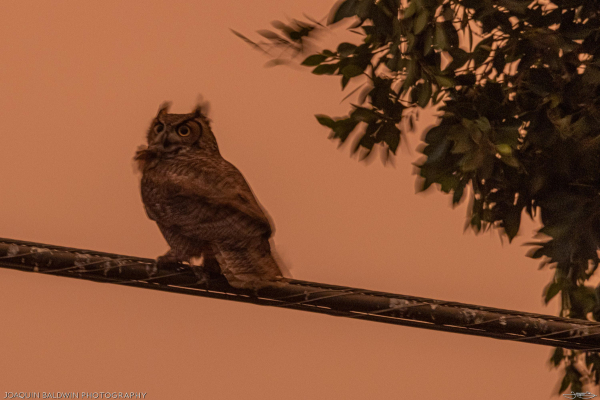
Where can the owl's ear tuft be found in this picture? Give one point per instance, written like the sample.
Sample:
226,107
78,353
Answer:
202,110
202,107
164,108
198,111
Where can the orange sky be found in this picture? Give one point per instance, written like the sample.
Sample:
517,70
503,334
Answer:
80,82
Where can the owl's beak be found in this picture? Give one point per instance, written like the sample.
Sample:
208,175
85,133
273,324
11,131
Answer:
160,143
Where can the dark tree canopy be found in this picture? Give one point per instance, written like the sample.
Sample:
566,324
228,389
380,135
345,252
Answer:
517,84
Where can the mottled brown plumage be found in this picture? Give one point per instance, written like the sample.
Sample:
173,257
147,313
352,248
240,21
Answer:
202,203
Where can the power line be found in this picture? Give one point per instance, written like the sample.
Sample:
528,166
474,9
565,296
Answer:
306,296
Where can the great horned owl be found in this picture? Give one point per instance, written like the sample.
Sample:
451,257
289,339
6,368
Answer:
202,203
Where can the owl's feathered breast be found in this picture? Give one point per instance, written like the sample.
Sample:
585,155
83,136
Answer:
206,198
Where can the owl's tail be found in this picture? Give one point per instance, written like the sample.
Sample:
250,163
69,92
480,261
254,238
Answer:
248,265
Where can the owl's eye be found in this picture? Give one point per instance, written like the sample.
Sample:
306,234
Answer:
183,130
158,128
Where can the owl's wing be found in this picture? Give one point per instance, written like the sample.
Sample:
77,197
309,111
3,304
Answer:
223,185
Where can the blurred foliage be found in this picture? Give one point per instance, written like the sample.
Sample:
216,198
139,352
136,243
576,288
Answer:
517,84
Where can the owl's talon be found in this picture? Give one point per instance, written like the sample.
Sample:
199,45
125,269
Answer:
211,266
168,261
203,276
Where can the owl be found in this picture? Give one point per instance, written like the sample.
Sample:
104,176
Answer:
201,203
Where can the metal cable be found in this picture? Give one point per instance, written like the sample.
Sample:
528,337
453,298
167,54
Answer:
306,296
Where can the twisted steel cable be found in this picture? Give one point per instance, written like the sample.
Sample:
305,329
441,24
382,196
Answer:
306,296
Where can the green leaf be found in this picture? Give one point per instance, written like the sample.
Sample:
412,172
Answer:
476,211
499,62
391,136
482,51
557,357
459,192
315,59
540,81
421,21
345,10
512,222
414,93
440,39
343,128
517,7
583,301
364,114
450,33
402,64
483,124
411,74
325,120
461,137
511,161
551,290
448,183
410,42
411,9
275,62
345,49
537,253
325,69
467,79
268,34
424,95
381,93
448,12
345,81
462,145
279,25
351,70
504,150
363,10
507,133
565,383
591,75
459,58
472,161
572,377
429,41
444,81
396,110
368,138
392,62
